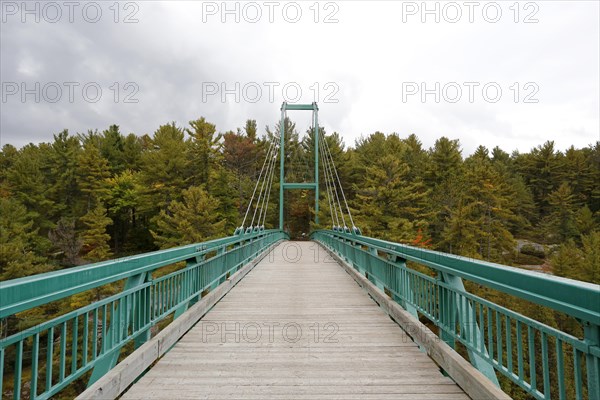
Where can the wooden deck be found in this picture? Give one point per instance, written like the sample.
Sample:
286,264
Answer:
298,327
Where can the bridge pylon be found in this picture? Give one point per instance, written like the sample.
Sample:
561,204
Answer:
283,185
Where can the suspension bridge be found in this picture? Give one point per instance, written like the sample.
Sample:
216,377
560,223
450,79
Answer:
255,315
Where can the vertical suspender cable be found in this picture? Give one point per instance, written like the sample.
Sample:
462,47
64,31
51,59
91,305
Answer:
263,195
330,167
264,217
269,158
256,186
340,184
332,206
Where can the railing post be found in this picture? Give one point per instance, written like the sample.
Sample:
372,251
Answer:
189,264
591,335
110,359
466,320
400,264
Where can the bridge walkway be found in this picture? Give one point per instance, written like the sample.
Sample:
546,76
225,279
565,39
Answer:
298,327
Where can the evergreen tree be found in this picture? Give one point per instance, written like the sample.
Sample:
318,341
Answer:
28,180
112,147
93,173
194,219
590,270
567,260
94,236
541,168
18,240
165,166
585,221
63,161
205,150
67,241
560,223
389,206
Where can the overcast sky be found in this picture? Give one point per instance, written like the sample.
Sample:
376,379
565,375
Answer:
513,76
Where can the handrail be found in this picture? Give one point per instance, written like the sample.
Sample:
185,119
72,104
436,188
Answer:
46,358
544,361
576,298
21,294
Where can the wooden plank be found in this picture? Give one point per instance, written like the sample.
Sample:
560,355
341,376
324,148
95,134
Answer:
473,382
297,326
127,371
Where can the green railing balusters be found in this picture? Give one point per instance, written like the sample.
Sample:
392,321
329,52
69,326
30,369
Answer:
95,336
532,371
18,370
35,349
509,350
85,339
499,344
481,328
74,339
490,331
488,336
63,351
118,319
577,374
560,369
520,368
591,335
545,364
1,369
49,357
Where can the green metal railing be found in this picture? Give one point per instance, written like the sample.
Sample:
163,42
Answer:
495,337
93,336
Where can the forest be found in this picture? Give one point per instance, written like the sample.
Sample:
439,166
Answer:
93,196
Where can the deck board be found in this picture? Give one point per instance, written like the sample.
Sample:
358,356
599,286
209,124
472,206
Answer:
297,326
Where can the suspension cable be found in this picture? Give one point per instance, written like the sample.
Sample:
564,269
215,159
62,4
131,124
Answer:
332,206
333,188
269,157
268,177
330,165
340,185
256,186
269,192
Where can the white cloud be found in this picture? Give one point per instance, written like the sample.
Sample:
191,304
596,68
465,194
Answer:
170,53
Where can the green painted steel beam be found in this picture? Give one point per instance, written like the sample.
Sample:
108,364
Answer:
281,164
578,299
25,293
305,185
316,134
305,107
112,322
297,186
483,327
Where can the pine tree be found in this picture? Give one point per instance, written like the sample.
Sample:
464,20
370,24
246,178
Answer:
591,257
67,241
165,166
541,169
205,150
18,239
567,261
194,219
490,198
27,180
112,148
63,161
585,221
560,223
462,231
93,173
390,206
94,236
